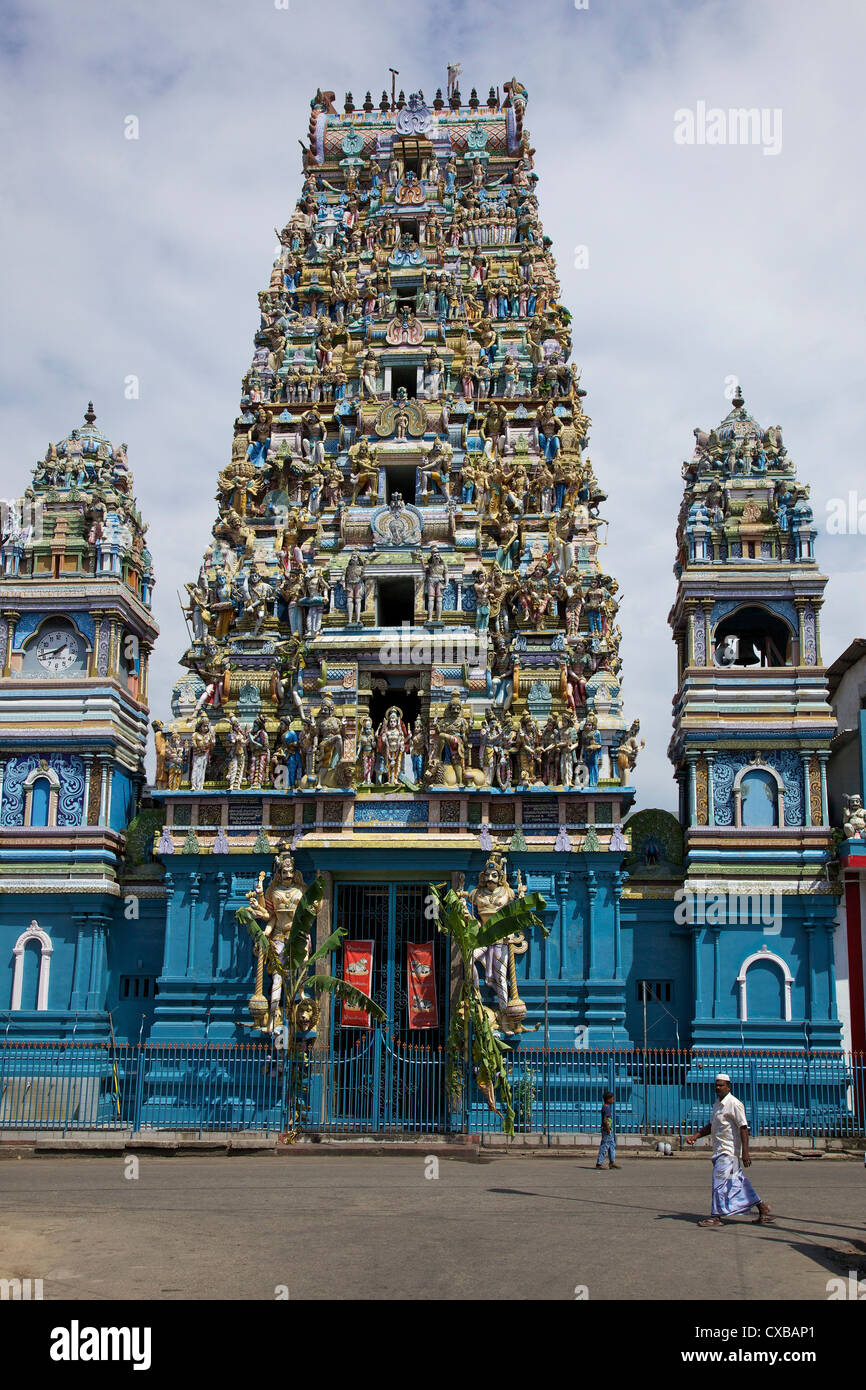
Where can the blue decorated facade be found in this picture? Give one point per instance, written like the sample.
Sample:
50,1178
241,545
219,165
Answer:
404,658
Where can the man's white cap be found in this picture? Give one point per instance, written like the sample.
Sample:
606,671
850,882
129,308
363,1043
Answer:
723,1076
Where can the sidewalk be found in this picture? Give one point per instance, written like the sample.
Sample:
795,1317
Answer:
36,1143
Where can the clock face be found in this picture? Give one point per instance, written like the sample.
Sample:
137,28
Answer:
57,650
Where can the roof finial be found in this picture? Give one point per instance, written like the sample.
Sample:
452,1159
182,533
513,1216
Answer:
737,399
89,416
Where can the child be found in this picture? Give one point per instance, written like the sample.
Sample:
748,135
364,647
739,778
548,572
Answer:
608,1138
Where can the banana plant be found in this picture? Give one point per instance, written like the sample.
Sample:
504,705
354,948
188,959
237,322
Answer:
488,1051
297,969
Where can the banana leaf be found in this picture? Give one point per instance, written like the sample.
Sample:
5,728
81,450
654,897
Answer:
350,994
245,918
304,923
331,944
517,915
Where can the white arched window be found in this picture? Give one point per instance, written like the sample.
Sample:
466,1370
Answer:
33,933
41,789
758,779
766,956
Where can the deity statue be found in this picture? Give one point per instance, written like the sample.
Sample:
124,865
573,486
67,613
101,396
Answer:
491,896
317,591
276,906
453,736
313,435
437,468
854,822
590,742
626,752
392,742
328,743
174,759
363,466
354,584
201,745
159,743
365,760
237,740
436,577
259,752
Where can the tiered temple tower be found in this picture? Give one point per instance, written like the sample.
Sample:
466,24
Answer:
403,644
752,733
76,634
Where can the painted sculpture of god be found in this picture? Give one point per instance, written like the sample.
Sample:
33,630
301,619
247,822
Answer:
491,896
276,907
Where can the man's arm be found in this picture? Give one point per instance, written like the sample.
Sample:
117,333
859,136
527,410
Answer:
745,1156
699,1134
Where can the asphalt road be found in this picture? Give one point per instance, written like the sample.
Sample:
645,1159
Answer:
322,1227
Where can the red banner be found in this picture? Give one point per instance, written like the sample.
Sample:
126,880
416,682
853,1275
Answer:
357,971
423,1010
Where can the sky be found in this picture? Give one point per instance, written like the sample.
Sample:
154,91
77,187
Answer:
701,264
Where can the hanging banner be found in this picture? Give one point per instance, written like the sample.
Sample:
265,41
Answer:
423,1011
357,971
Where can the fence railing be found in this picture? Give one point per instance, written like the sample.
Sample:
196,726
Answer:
379,1085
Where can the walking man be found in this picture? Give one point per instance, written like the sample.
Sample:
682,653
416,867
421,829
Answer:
607,1147
732,1191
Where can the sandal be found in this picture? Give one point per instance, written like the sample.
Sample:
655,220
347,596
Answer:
767,1219
711,1221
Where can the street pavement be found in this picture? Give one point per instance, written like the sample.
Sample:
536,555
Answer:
340,1227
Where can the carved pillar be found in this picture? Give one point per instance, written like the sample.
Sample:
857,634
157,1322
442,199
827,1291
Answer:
805,759
194,891
97,614
715,935
829,932
691,762
697,977
87,759
562,881
822,761
591,895
711,800
619,881
97,980
812,987
11,623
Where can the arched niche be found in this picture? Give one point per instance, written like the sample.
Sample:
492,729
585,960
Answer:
34,936
768,965
758,786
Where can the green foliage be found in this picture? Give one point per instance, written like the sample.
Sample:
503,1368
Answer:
296,968
488,1051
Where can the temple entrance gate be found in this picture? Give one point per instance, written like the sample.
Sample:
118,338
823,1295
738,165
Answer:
391,1076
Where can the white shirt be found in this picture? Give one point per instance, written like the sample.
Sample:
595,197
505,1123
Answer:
729,1116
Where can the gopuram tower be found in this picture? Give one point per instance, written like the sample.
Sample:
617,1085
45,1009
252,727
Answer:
403,648
752,735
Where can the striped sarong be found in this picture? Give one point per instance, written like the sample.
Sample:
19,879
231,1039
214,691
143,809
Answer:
732,1191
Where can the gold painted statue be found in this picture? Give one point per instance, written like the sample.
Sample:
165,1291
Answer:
275,906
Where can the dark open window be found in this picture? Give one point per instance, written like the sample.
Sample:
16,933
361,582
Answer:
395,599
406,377
752,637
402,480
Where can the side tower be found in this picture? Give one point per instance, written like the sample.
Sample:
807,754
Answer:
403,645
76,634
752,733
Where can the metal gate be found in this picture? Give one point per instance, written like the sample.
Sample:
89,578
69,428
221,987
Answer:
389,1077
